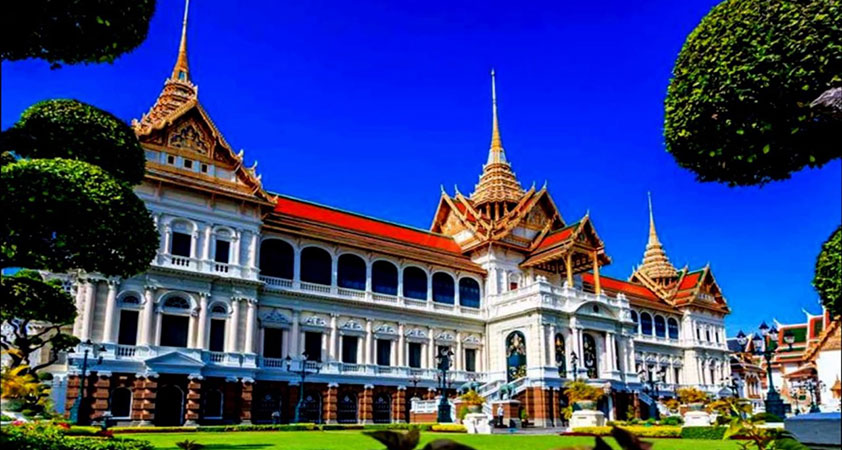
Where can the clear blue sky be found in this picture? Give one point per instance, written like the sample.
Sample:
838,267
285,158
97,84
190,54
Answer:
371,106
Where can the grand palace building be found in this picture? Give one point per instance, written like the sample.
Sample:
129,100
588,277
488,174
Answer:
251,289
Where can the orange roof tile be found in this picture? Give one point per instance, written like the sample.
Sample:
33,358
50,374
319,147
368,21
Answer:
690,281
622,286
355,222
556,237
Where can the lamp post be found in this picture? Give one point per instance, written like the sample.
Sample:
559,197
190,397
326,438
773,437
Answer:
444,359
78,416
813,387
574,359
302,372
765,344
413,380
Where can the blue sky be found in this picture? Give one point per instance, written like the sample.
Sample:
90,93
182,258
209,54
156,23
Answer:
371,106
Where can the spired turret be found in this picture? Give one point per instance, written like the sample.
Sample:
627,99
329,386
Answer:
656,265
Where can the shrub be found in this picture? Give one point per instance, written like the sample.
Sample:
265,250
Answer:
463,411
81,431
580,391
449,428
472,398
334,427
711,433
672,420
640,431
187,444
765,417
155,429
39,436
692,395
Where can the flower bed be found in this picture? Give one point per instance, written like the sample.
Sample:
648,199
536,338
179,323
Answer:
449,428
272,427
39,436
641,431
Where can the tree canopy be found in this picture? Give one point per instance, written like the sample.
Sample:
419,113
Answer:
73,31
64,214
74,130
738,107
828,277
35,311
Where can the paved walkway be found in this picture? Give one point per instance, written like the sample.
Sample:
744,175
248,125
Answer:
553,430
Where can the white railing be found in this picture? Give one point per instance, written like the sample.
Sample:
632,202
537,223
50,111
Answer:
126,351
278,363
424,406
384,297
315,287
277,283
352,368
216,357
220,267
353,293
179,261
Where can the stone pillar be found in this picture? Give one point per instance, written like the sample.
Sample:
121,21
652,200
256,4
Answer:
203,325
111,316
401,345
368,342
329,406
80,305
99,387
295,334
458,361
236,247
366,401
251,323
296,268
431,350
194,235
233,324
245,401
334,272
145,394
194,400
88,311
147,325
333,352
399,406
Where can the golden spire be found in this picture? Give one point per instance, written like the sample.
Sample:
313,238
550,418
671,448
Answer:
181,71
497,182
655,264
496,154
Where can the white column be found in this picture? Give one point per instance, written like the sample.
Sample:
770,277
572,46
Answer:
194,240
332,350
400,282
236,247
457,300
251,324
296,269
610,351
552,361
368,276
295,335
401,346
458,361
430,287
147,328
87,318
542,344
253,251
334,271
203,325
368,343
361,354
111,315
431,350
393,353
166,242
286,343
233,324
192,324
206,244
81,285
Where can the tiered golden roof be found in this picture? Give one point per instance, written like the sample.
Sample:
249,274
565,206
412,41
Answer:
498,183
656,266
178,89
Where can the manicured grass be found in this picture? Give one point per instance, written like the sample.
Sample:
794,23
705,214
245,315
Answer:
323,440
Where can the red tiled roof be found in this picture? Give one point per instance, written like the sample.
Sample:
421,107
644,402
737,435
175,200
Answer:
354,222
556,237
622,286
689,281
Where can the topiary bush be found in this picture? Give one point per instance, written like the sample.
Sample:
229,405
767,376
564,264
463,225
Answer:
712,433
672,420
766,417
737,109
828,277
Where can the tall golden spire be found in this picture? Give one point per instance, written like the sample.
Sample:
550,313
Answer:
181,71
497,182
178,88
655,264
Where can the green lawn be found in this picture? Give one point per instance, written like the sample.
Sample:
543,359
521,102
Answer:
318,440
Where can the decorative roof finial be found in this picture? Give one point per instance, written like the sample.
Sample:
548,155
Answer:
496,153
653,236
181,71
655,264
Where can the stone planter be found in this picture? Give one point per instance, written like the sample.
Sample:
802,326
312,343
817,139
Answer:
587,418
474,408
586,405
695,406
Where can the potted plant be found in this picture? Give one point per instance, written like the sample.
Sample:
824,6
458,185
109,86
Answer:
472,401
693,398
583,395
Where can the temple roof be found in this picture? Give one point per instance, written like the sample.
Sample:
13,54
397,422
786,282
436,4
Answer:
656,266
497,182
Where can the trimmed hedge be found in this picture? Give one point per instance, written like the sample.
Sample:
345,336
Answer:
449,428
641,431
711,433
49,437
272,427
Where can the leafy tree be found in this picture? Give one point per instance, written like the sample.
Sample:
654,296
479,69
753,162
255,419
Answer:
73,31
75,130
738,106
828,277
36,311
23,391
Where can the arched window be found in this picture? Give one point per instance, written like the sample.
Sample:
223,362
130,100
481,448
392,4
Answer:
515,356
660,327
346,408
315,265
707,334
351,272
174,326
672,328
414,283
636,321
469,293
277,259
443,290
120,403
384,278
560,355
589,355
382,408
213,404
646,324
